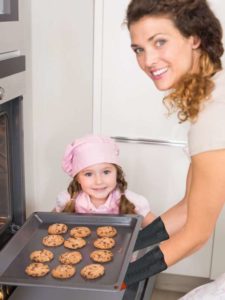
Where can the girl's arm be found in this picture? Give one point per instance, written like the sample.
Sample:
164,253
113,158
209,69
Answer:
63,200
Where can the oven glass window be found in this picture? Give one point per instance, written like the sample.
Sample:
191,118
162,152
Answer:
5,205
4,7
8,10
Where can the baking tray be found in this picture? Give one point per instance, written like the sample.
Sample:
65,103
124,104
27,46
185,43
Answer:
15,255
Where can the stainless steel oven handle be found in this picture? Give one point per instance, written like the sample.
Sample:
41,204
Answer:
150,141
2,92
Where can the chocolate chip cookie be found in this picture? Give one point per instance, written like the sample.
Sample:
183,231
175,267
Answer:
80,231
57,228
106,231
74,243
41,256
92,271
104,243
53,240
101,256
70,258
63,271
37,269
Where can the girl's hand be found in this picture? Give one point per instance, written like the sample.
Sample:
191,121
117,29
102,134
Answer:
61,201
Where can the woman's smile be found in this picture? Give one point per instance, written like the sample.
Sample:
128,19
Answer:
157,74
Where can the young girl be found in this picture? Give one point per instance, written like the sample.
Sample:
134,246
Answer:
98,184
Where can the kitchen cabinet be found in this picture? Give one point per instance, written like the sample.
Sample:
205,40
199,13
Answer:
127,104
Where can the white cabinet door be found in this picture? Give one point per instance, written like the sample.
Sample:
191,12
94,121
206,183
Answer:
127,104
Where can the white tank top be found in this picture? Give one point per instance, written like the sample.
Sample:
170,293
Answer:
208,132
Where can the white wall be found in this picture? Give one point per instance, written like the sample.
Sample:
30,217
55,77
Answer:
58,104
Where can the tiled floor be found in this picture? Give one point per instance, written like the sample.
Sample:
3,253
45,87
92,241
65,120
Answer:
165,295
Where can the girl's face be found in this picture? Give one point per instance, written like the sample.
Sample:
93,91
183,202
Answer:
162,52
98,181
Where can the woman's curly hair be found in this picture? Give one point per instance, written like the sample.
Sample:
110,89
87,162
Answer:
191,18
125,206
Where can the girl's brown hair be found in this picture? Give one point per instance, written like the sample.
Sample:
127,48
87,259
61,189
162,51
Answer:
191,18
125,206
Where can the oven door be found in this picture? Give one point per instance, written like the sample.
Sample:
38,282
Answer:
12,25
141,291
8,10
5,201
12,202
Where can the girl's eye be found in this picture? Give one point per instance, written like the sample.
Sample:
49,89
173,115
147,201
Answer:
88,174
106,172
159,43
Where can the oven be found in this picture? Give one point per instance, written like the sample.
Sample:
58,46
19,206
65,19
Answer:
141,291
12,196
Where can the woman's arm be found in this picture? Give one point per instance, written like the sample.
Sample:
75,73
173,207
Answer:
154,230
175,218
148,219
205,199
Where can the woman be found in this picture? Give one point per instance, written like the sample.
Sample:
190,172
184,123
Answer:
178,44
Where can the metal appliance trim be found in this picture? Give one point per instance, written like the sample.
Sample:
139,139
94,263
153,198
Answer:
160,142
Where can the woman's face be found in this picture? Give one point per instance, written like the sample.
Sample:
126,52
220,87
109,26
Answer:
162,52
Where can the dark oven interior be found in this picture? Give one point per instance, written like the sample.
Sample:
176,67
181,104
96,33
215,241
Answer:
12,200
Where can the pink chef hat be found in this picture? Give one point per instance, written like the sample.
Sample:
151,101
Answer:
88,151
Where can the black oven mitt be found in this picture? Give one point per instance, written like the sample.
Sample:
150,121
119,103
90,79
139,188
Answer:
148,265
154,233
